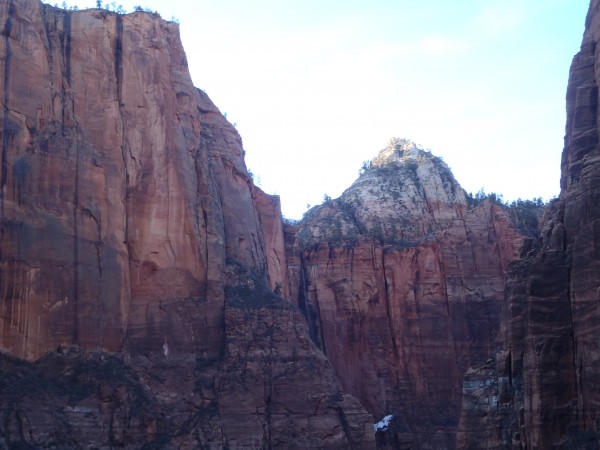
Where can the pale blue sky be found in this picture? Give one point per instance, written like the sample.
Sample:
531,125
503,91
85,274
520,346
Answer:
317,87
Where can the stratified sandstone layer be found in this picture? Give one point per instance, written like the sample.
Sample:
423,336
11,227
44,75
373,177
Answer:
402,282
129,228
546,374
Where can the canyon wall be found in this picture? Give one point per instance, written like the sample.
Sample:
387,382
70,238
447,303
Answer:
133,241
402,282
541,390
151,297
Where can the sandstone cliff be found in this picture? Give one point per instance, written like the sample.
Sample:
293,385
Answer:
129,228
540,391
402,281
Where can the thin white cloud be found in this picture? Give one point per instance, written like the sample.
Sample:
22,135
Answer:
437,44
500,17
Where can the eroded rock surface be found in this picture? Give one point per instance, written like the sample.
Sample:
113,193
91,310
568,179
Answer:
402,282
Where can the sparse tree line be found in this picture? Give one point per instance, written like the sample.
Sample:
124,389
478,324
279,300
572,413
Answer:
498,199
525,214
113,7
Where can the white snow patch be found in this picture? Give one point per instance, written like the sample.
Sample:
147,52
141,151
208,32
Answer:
383,424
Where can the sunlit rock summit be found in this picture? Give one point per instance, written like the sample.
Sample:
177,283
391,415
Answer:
402,282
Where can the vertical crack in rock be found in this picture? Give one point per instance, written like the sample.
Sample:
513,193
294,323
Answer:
119,57
99,243
126,155
268,388
494,238
388,306
315,330
444,283
6,125
200,202
76,250
5,128
71,143
67,45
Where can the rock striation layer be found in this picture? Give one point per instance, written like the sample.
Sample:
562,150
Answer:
133,239
545,374
402,280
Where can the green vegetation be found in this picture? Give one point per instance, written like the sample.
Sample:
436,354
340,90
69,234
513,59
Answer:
330,222
525,214
334,221
481,196
366,166
114,8
290,222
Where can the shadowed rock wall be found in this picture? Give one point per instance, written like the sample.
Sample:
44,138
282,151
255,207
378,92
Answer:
544,378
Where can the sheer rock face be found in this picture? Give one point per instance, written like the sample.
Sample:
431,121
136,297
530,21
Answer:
402,284
549,359
129,227
118,176
269,213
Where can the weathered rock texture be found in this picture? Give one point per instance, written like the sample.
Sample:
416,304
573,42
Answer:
546,375
402,282
129,227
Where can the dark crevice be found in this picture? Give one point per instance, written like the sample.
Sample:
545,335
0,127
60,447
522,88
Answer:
268,388
126,150
315,329
99,243
5,126
387,301
70,143
76,250
6,121
119,58
345,426
578,376
206,244
67,45
200,202
66,49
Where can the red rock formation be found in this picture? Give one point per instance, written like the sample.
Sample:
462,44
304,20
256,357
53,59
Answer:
269,214
129,225
548,368
402,283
